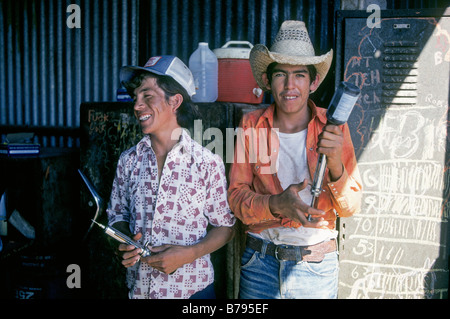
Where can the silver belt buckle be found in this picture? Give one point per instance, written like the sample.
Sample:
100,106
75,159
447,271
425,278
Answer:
276,252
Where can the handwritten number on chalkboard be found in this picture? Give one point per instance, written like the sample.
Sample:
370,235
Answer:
364,248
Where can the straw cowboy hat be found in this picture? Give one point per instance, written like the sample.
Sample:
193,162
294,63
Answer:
292,45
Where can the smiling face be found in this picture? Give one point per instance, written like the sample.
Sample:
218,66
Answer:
153,110
290,86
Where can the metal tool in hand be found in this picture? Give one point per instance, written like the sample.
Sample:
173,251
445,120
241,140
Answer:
114,233
341,105
97,199
124,239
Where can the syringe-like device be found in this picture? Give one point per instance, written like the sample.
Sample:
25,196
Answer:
117,235
341,105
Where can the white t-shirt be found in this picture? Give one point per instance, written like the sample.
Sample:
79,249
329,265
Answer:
292,168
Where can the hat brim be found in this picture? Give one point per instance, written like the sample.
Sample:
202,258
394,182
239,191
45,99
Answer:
260,58
127,73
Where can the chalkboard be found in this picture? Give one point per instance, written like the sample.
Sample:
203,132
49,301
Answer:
397,247
107,129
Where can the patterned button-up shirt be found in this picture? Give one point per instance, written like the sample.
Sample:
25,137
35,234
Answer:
192,192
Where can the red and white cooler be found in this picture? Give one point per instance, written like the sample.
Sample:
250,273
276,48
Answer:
235,78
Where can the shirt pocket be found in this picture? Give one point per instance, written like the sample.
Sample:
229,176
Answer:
263,177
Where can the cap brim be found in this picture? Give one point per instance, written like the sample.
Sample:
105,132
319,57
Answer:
260,58
127,73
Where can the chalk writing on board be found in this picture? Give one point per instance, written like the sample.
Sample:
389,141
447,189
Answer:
396,247
111,129
406,284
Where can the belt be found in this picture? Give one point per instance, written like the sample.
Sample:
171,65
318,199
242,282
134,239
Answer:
313,253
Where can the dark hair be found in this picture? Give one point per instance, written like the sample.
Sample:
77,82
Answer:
186,113
311,69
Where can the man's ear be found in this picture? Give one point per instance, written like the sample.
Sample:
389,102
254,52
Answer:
314,84
175,101
265,80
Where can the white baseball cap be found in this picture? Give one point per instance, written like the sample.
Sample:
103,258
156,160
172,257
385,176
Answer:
168,65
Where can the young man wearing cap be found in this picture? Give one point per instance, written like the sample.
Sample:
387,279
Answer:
168,188
286,255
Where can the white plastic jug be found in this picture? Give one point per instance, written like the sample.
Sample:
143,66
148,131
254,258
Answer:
204,67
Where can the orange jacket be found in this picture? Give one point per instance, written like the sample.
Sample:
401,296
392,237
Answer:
253,177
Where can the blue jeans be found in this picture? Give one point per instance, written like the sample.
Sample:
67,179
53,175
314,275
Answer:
207,293
264,277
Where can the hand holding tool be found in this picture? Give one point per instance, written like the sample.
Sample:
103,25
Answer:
124,239
341,105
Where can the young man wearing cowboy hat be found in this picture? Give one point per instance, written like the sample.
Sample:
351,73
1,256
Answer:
288,256
168,189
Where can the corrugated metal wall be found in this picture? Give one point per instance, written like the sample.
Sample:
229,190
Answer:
47,69
416,4
176,26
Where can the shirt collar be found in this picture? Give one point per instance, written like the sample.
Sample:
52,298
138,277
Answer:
321,116
268,114
184,143
143,145
183,146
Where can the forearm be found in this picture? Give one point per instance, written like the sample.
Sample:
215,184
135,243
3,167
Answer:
249,206
168,258
215,239
335,170
347,190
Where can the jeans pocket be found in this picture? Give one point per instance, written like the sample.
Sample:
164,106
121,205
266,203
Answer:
248,257
329,266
